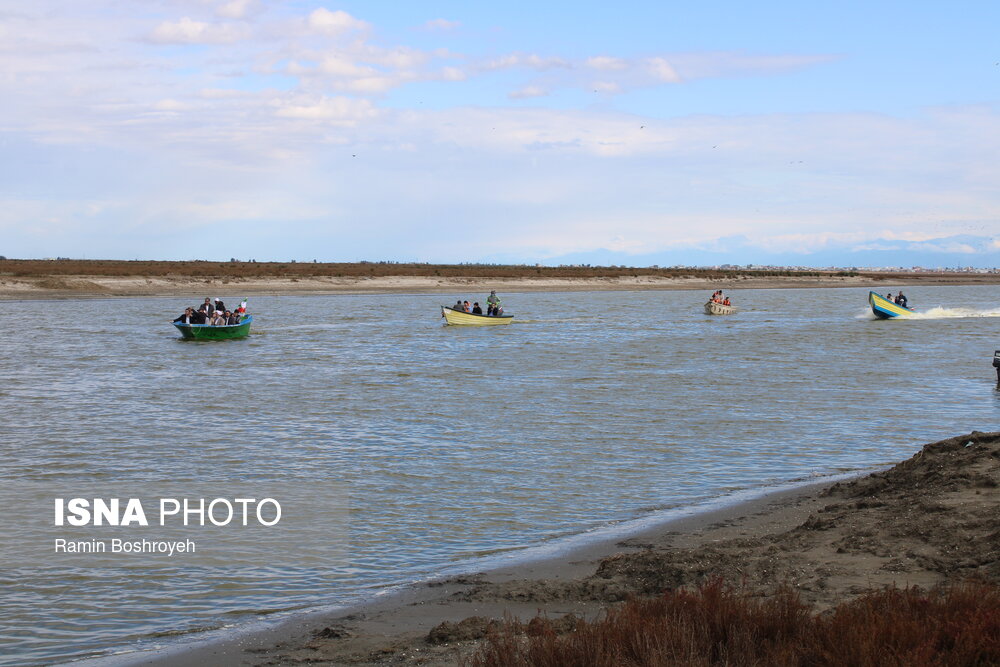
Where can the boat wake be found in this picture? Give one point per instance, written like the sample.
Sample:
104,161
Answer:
947,313
937,313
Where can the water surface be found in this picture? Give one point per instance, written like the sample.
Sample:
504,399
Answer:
452,443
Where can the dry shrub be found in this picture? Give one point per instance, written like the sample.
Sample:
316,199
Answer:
718,625
219,270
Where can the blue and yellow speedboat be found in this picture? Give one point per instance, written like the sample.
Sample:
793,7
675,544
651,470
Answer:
885,309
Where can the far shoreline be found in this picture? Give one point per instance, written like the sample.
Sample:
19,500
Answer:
65,287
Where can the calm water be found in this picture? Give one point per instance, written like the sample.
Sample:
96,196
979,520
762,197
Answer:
451,443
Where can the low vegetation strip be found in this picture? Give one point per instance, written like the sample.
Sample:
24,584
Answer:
717,624
253,269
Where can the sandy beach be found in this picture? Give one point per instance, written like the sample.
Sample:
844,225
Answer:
928,520
64,279
72,287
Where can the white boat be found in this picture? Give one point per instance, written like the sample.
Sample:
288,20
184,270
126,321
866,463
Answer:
712,308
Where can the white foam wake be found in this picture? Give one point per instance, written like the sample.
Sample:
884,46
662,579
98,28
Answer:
940,313
937,313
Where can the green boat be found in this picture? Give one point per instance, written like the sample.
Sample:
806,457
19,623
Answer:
209,332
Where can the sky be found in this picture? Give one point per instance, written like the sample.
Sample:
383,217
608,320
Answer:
637,133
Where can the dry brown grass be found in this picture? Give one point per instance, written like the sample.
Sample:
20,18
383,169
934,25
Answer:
717,625
73,267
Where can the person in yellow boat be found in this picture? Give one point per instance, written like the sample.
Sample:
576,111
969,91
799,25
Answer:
901,300
476,310
458,306
493,303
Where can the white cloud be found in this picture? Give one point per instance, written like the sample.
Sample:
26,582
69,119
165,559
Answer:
338,65
237,9
662,70
342,110
188,31
528,92
606,63
170,105
453,74
526,60
441,24
334,23
606,87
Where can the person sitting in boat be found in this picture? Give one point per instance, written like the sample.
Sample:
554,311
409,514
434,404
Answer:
476,309
458,306
219,319
901,300
201,315
185,317
466,307
725,302
889,298
219,305
493,303
232,317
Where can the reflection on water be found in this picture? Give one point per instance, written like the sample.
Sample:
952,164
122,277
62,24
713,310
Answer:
591,408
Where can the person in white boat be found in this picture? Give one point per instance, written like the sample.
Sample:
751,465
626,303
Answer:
493,304
725,302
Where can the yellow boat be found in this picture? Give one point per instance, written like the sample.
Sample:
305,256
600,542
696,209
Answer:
461,318
885,309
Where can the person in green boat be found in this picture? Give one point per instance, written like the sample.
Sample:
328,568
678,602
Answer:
493,306
187,317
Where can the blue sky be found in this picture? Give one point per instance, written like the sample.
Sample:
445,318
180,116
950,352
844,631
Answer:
632,132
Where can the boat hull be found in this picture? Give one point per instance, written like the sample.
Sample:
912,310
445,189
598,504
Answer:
885,309
712,308
460,318
208,332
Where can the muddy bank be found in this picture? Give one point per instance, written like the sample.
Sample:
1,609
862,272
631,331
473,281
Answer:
930,519
88,286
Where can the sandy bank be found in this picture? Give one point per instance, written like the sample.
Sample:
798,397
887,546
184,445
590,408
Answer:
930,519
84,286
